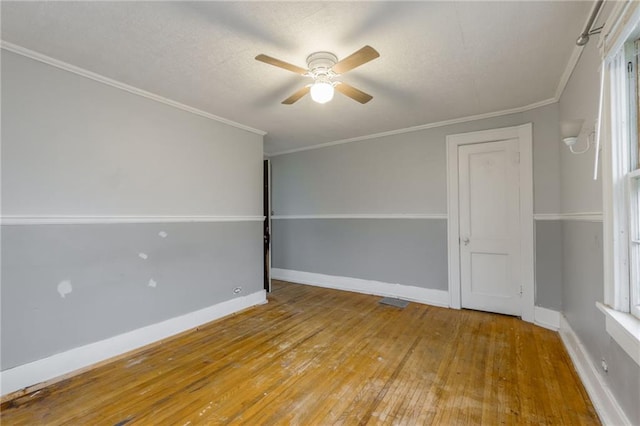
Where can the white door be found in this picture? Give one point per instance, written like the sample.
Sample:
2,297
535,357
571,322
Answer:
489,212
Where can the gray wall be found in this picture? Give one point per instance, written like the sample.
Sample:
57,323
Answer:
400,174
74,147
400,251
580,193
583,272
404,251
196,265
403,173
549,264
583,277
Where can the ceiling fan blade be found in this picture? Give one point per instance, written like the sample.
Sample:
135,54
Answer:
353,93
281,64
356,59
296,96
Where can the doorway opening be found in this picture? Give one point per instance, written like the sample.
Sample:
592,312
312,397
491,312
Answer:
266,228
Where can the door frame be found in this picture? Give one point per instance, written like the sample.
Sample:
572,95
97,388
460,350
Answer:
525,141
266,227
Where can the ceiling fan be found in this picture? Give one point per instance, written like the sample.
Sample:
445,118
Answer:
323,67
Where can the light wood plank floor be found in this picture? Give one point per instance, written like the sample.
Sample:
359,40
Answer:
315,356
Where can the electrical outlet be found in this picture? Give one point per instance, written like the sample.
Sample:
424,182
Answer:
605,367
237,290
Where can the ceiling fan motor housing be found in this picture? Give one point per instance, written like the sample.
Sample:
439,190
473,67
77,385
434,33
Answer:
323,67
320,63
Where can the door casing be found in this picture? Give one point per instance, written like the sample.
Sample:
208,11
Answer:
524,135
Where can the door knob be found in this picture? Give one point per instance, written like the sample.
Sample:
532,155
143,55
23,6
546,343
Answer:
465,241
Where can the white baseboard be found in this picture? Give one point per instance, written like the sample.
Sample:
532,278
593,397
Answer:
603,400
546,318
378,288
45,369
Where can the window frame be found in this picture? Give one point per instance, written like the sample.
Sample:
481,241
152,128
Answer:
633,212
618,119
633,183
619,125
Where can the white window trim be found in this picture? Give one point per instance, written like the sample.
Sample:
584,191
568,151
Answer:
624,329
615,166
621,325
633,181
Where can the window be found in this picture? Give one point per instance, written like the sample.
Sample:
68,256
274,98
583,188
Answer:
619,127
632,178
619,115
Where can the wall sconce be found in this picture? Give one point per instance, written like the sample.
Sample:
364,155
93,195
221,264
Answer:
570,130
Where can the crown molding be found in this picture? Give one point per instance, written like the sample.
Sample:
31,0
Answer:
14,48
566,75
420,127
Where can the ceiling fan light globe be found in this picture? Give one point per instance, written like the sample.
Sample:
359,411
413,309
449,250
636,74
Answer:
322,92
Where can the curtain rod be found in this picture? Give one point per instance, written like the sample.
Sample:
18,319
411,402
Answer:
588,31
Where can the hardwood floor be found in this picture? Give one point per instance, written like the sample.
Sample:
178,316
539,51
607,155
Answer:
315,356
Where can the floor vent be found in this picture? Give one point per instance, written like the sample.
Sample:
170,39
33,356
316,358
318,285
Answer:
398,303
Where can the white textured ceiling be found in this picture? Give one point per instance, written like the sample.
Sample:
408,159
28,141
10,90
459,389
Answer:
439,60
